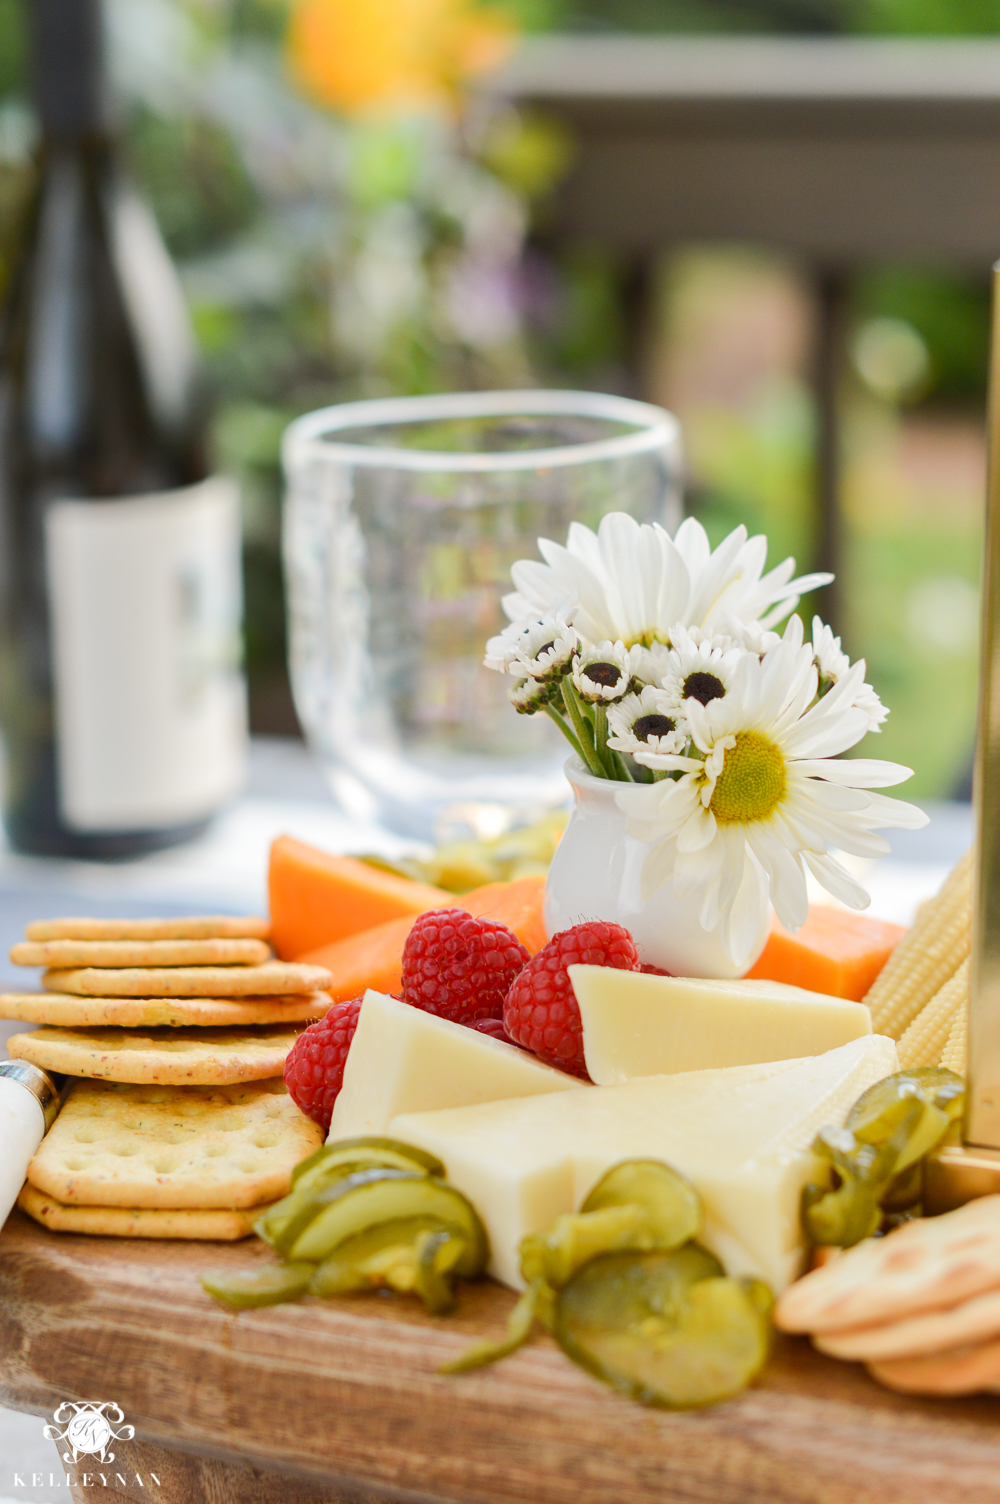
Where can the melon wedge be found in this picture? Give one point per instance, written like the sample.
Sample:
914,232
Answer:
374,958
317,898
836,951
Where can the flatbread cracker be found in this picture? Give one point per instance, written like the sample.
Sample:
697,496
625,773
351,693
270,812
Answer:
66,1011
925,1265
198,927
274,977
173,1147
971,1321
120,953
963,1370
124,1222
174,1057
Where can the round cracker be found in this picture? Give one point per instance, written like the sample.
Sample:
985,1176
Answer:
127,1222
120,953
971,1321
198,927
925,1265
64,1010
274,977
180,1057
963,1370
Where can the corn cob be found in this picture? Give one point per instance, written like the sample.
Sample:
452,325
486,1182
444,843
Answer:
956,1051
927,1036
926,957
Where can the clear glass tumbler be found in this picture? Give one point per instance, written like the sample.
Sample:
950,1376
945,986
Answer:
402,518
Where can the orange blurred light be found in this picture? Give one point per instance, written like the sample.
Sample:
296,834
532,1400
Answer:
369,55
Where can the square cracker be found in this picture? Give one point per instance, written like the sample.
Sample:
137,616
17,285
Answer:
126,1222
67,1011
190,981
119,953
198,927
175,1057
173,1147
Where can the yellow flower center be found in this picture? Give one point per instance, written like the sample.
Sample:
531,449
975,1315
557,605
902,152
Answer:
752,780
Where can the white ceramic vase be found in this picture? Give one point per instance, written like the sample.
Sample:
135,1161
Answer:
595,874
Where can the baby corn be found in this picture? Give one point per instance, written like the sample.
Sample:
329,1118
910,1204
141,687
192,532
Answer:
927,956
928,1035
956,1051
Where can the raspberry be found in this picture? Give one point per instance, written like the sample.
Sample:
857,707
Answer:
654,971
460,967
541,1011
495,1029
314,1066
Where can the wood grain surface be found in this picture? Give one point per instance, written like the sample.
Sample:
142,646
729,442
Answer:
341,1398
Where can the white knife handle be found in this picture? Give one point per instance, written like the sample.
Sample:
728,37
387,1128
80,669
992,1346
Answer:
29,1103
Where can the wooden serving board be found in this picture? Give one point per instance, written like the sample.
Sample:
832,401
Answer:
325,1402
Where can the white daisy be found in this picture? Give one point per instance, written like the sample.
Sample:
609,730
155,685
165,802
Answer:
525,638
529,695
769,795
546,649
700,667
602,674
634,582
651,663
832,663
646,724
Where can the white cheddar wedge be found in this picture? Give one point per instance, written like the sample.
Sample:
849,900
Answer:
638,1024
742,1136
404,1060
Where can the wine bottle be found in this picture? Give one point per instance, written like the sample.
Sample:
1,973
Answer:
122,703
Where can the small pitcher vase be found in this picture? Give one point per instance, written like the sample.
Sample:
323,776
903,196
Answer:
596,874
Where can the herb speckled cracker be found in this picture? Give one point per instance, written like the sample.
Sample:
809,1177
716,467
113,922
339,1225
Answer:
172,1147
274,977
67,1011
176,1057
126,1222
971,1321
131,953
963,1370
198,927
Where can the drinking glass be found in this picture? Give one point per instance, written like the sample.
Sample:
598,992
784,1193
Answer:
402,519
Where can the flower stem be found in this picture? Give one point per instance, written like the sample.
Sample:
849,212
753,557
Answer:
560,720
584,732
604,752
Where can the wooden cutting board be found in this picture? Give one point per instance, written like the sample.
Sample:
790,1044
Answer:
325,1402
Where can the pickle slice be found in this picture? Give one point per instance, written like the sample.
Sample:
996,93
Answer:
519,1324
878,1111
417,1254
671,1202
666,1328
853,1210
369,1197
375,1151
259,1287
555,1254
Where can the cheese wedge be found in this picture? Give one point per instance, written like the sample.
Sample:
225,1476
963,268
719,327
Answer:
742,1136
404,1060
637,1024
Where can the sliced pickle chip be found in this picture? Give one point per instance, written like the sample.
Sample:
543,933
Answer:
519,1324
417,1254
665,1327
555,1254
367,1198
671,1202
375,1151
259,1287
852,1211
878,1111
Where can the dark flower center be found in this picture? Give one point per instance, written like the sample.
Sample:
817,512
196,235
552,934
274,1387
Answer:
704,688
652,725
545,648
607,674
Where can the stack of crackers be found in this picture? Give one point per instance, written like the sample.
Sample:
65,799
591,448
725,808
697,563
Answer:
920,1307
173,1034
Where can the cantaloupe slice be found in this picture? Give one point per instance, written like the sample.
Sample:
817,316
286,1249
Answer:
374,957
317,897
836,951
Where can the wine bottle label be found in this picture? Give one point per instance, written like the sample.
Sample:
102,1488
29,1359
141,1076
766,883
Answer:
145,606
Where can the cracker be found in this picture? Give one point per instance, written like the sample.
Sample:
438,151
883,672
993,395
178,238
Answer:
121,953
199,927
924,1265
176,1057
190,981
65,1011
173,1147
124,1222
971,1321
963,1370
